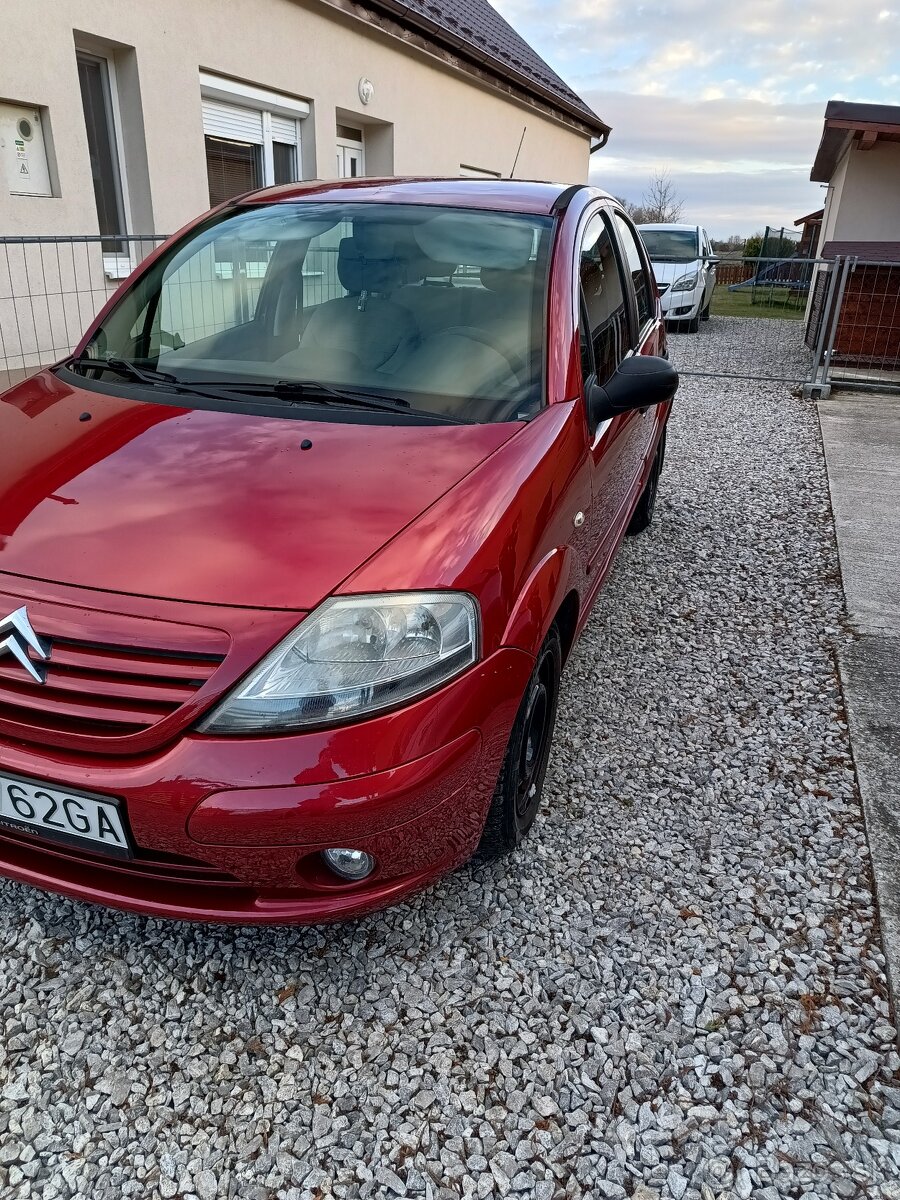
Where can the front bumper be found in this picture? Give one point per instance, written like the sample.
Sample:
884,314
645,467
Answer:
231,829
681,306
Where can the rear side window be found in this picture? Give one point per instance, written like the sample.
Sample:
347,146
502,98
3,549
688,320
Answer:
642,290
604,299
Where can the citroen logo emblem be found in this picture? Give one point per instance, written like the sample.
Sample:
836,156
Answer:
18,638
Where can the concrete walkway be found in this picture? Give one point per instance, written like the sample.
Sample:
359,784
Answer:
861,435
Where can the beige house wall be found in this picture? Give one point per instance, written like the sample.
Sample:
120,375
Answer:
425,118
864,196
440,118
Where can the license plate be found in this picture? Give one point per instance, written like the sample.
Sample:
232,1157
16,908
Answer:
76,818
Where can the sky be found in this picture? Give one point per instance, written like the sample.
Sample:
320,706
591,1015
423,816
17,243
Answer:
728,98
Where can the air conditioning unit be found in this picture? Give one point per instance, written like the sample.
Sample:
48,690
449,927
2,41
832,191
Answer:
23,152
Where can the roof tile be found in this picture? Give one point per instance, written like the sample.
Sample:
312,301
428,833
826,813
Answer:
484,27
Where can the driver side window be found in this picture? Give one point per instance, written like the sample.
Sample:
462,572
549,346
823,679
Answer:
605,312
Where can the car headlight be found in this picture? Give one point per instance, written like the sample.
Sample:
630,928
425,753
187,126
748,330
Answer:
686,283
353,656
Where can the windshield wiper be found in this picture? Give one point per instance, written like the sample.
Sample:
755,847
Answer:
299,389
120,366
292,390
287,390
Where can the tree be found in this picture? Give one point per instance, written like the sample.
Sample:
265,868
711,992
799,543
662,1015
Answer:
753,245
733,244
659,203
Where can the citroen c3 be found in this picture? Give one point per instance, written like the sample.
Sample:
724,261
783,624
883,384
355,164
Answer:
295,545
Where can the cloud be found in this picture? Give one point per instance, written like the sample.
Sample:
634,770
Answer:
725,202
771,48
730,98
723,129
738,164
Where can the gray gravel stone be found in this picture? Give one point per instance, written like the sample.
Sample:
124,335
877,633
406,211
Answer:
675,988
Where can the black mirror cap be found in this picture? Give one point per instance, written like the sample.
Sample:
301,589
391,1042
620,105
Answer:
639,382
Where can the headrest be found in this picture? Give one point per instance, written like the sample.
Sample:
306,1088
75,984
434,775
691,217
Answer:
364,265
479,240
507,281
423,267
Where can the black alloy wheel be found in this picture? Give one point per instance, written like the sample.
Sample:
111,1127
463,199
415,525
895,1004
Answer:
642,517
517,796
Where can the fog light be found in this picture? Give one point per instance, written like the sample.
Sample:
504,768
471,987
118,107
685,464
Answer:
349,864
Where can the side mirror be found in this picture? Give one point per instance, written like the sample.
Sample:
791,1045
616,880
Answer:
640,381
712,259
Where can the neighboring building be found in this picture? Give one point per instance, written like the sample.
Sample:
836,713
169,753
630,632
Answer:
120,117
811,226
859,159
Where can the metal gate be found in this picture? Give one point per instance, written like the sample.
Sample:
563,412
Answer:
811,322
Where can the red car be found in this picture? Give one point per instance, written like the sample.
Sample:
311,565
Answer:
294,548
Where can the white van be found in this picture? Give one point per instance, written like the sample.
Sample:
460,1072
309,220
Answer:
685,269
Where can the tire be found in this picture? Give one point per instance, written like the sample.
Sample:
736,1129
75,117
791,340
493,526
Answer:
642,517
704,316
693,325
517,796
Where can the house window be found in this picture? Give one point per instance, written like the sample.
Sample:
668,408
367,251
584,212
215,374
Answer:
252,137
350,152
284,162
94,78
232,168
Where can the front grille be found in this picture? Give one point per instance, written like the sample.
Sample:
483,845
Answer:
104,691
110,691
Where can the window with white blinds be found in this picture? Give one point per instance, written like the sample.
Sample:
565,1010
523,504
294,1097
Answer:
252,137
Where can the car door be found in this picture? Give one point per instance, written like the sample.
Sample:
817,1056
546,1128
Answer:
609,332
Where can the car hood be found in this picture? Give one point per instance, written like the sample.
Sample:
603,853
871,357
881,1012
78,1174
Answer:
203,505
668,272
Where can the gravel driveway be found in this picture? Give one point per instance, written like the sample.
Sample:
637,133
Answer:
677,991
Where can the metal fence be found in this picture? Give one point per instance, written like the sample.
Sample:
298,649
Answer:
808,321
765,302
799,320
51,288
854,324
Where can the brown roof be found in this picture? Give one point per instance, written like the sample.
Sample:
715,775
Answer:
476,31
843,121
877,252
813,216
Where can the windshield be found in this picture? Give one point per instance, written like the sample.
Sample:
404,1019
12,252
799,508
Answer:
441,307
671,245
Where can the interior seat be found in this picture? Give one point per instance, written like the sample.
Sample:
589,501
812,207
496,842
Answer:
366,324
431,297
504,311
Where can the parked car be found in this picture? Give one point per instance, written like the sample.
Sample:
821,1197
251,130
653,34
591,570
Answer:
292,556
685,268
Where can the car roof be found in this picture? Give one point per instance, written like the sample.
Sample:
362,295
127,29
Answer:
511,195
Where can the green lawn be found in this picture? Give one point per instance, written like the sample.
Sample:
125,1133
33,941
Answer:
770,302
